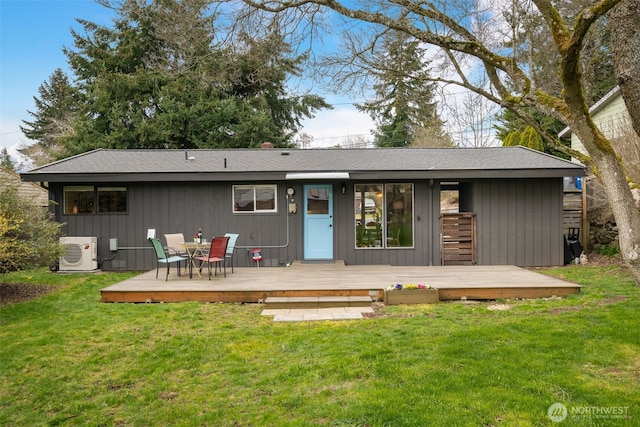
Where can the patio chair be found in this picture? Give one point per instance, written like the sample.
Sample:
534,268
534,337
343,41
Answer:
231,246
163,258
216,255
175,244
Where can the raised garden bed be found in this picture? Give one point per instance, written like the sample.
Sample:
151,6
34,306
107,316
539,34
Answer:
411,296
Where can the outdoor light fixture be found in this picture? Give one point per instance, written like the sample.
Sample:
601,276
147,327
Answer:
344,188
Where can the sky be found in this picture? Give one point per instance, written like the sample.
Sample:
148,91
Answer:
32,36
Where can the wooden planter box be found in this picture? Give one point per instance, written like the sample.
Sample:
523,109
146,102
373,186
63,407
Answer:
411,296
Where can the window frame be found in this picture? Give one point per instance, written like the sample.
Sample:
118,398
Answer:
92,199
255,188
384,214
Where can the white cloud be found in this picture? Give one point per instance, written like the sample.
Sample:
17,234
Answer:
12,138
331,127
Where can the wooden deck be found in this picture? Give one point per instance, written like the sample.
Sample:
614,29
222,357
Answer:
252,285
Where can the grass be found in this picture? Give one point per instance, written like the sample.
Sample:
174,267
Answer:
67,359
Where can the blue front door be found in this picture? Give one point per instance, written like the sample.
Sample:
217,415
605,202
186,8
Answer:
318,221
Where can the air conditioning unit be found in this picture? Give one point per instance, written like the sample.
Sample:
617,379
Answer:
81,254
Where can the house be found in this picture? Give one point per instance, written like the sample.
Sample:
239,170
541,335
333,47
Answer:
609,114
28,190
376,206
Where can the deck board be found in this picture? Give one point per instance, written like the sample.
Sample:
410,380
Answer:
250,284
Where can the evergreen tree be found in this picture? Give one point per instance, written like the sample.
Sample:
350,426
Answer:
5,160
528,138
403,103
158,79
511,128
55,109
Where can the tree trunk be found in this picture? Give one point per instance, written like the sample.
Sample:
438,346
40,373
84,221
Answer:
626,55
624,209
604,162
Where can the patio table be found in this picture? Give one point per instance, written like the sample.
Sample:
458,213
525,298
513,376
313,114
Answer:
194,250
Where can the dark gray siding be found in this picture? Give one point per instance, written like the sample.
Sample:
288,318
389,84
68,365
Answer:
519,221
183,208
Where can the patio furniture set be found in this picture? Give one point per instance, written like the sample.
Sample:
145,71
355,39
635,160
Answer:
195,255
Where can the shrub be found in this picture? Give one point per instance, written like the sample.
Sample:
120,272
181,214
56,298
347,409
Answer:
28,237
607,250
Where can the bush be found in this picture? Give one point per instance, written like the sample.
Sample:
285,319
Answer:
28,237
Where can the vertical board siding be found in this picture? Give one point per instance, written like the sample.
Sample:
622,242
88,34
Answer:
182,208
519,221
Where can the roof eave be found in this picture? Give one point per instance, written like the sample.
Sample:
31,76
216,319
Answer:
282,176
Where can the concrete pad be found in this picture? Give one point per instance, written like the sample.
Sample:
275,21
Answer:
318,316
275,311
347,316
331,310
321,314
358,309
302,311
288,318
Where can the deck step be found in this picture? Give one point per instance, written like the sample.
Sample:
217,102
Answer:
317,302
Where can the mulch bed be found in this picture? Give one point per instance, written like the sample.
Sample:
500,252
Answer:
20,292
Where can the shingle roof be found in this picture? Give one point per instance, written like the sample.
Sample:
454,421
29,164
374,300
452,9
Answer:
274,163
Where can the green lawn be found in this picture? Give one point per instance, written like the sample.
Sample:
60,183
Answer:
67,359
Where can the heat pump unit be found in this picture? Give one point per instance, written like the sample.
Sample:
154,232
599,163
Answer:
81,254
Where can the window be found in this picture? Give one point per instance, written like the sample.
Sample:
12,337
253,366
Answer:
254,198
83,199
112,199
399,199
78,200
384,215
318,201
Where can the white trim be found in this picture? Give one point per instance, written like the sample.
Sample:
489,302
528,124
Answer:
254,189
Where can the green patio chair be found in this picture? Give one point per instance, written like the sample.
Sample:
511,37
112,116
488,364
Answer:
163,258
231,246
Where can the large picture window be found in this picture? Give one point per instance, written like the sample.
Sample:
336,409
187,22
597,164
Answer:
254,198
384,215
87,199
